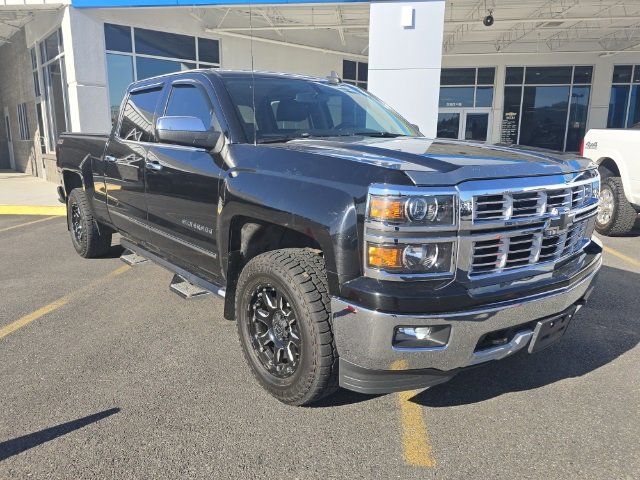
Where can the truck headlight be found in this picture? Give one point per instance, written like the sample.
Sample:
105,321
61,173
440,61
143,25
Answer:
413,210
433,257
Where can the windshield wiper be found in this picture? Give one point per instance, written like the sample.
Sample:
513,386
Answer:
283,139
378,134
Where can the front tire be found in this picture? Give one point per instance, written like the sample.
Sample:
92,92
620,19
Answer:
616,216
89,238
284,325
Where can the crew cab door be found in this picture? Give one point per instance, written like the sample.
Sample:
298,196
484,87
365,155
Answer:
182,184
124,162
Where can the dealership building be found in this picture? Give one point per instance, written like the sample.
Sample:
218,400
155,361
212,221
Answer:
535,72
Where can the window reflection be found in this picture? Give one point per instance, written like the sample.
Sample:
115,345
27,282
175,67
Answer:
554,111
157,53
151,67
544,116
578,117
120,75
448,125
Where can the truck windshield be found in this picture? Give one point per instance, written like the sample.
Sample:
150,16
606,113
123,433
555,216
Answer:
290,108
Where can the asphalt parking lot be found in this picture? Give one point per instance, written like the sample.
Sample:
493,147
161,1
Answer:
107,374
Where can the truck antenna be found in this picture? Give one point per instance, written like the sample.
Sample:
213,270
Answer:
253,76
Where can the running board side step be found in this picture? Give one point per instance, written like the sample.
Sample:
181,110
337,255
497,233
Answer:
186,289
187,285
131,258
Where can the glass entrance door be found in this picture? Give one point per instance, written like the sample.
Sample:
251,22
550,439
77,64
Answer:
464,124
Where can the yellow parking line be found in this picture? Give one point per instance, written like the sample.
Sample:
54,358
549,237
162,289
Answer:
416,447
27,223
27,319
57,210
622,256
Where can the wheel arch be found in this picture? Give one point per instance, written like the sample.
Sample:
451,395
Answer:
250,237
71,179
608,166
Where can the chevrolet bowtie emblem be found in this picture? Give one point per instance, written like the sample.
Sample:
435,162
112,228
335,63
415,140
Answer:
559,223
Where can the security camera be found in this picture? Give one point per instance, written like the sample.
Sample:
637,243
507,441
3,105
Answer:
488,20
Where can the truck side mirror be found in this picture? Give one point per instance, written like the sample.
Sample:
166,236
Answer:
188,131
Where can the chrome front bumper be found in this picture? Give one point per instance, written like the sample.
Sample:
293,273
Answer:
364,337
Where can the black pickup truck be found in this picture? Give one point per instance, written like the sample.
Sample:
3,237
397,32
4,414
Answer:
350,250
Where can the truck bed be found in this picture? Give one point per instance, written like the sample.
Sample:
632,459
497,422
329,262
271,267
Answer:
74,149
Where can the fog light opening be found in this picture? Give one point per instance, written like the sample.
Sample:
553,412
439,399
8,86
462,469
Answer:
436,336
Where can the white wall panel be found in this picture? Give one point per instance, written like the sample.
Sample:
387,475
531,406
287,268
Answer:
404,62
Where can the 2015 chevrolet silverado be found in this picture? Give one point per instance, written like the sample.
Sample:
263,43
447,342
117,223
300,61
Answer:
351,250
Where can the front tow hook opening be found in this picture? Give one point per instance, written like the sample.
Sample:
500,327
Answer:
519,341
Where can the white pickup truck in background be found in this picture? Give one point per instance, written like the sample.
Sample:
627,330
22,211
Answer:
617,153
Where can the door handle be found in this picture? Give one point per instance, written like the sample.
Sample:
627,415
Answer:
110,158
155,166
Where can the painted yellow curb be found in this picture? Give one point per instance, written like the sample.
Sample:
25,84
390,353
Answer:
60,210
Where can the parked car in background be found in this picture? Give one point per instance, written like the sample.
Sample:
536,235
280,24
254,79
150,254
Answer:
617,153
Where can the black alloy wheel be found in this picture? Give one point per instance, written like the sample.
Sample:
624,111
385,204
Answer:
89,237
76,224
284,324
275,336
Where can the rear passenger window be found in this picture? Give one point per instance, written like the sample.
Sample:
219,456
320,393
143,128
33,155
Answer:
137,119
190,101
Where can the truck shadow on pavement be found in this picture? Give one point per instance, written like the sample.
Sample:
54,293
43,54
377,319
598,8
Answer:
18,445
603,331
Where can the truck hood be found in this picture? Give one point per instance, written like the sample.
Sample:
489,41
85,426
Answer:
437,162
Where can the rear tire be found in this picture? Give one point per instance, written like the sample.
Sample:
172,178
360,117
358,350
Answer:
284,325
89,238
616,215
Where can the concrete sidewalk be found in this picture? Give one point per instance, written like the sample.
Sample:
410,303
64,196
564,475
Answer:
23,194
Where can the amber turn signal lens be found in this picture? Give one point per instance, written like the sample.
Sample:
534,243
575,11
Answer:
385,256
384,208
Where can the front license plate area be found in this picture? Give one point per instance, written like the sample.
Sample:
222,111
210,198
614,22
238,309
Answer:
549,331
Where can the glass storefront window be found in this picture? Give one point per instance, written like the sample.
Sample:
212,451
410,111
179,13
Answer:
456,96
548,75
120,75
151,67
117,38
484,96
514,75
156,53
458,76
476,126
55,96
51,46
163,44
486,76
578,117
544,116
555,104
624,102
43,144
208,50
466,87
618,106
47,60
583,75
355,73
633,116
622,73
448,125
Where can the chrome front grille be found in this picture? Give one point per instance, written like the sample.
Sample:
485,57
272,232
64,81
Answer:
531,203
515,249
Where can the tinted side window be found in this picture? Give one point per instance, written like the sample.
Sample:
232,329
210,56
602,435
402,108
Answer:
137,120
190,101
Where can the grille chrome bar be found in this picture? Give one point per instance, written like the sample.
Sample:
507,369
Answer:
497,255
537,203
